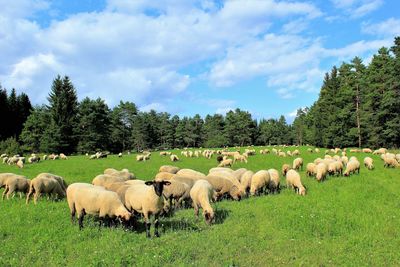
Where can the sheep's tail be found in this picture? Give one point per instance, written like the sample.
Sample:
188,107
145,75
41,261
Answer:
30,192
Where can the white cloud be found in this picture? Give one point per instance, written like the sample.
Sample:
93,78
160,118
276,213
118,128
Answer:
387,28
223,111
357,8
159,107
22,8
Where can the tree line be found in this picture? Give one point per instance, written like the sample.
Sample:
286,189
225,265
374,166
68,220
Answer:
358,105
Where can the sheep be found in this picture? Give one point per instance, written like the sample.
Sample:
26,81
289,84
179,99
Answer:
274,182
316,150
335,167
141,157
310,150
232,176
164,176
241,158
148,200
104,179
63,156
202,194
124,173
120,155
397,157
295,152
369,163
366,150
190,182
239,173
390,162
33,159
15,183
219,169
4,177
223,186
246,181
298,164
226,163
168,168
44,183
293,181
89,199
177,191
282,154
345,160
380,151
352,167
311,169
190,173
322,169
20,164
174,158
285,168
5,159
165,153
259,182
3,155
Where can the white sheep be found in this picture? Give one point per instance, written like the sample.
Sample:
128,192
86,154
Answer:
274,182
351,167
322,169
202,194
369,163
293,181
223,187
48,184
245,181
89,199
226,163
169,168
174,158
298,164
15,183
148,200
124,173
311,169
259,182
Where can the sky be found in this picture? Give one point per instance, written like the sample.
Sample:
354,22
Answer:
190,57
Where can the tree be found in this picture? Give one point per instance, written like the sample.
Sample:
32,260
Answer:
34,128
63,106
213,131
93,125
4,110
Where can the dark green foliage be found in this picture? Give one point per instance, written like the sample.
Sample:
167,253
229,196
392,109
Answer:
10,146
34,128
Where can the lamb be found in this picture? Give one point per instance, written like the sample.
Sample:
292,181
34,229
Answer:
202,194
369,163
311,169
259,182
124,173
322,169
223,186
174,158
274,182
190,173
168,168
352,167
285,169
44,183
164,176
298,164
148,200
246,181
226,163
89,199
15,183
293,181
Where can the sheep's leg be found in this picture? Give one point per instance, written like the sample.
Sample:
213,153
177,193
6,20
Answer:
156,223
147,223
35,197
4,193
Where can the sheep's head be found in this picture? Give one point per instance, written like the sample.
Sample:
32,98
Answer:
158,186
123,214
346,173
235,193
302,191
208,216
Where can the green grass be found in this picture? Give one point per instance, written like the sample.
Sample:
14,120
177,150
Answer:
351,221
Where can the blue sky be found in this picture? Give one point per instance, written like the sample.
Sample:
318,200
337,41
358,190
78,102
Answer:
190,56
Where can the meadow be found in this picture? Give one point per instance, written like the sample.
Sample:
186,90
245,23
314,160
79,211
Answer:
347,221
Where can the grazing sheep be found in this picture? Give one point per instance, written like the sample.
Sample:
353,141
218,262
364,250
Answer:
293,181
223,187
190,182
239,173
168,168
298,164
15,183
3,155
380,151
120,155
316,150
232,176
246,181
311,169
174,158
177,191
5,176
259,182
219,169
5,160
63,156
142,157
282,154
238,157
366,150
285,169
309,150
190,173
124,173
202,194
43,183
369,163
148,200
295,152
345,160
322,169
351,167
390,162
226,163
274,182
335,167
89,199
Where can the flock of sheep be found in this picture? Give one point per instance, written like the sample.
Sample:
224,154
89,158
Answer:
20,161
119,197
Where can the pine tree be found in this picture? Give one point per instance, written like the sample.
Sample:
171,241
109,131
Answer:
34,128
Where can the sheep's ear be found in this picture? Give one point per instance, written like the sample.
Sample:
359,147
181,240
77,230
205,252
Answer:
166,182
149,183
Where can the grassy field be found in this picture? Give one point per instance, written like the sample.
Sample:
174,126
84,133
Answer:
351,221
